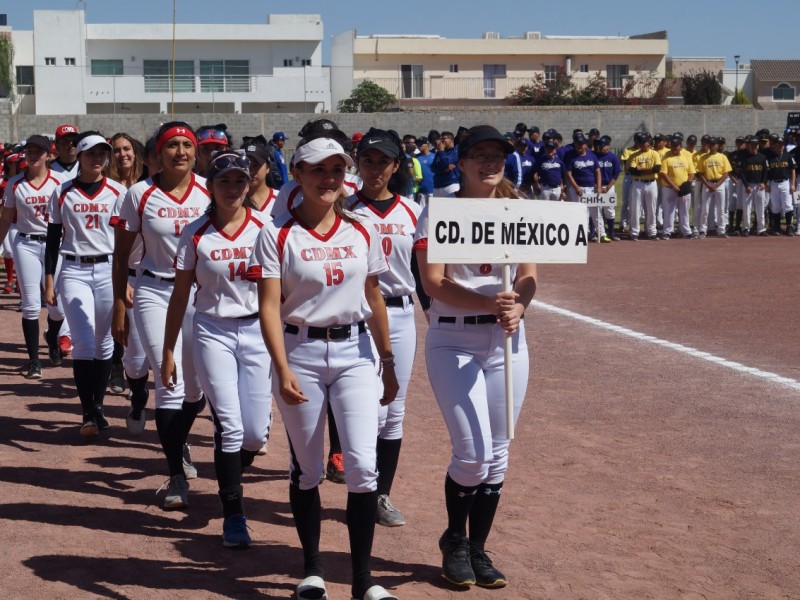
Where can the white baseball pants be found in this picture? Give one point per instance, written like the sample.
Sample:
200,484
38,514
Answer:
466,371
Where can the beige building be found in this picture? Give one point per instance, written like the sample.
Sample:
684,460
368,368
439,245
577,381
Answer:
776,84
432,70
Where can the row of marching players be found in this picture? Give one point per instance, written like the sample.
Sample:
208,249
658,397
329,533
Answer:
235,295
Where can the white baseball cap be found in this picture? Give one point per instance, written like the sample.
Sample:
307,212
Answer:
319,149
91,141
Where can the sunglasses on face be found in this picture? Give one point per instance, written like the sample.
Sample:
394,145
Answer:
212,134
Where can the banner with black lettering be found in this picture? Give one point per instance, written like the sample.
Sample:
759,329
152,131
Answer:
607,199
498,230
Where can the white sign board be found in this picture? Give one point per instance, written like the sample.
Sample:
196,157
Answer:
497,230
607,199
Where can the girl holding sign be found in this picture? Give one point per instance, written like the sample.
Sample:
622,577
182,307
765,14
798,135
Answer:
470,316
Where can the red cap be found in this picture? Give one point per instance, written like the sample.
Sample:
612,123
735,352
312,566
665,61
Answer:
356,137
63,130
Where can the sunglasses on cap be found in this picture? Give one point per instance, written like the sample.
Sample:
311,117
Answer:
212,134
231,159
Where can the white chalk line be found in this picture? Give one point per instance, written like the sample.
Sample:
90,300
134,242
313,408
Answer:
693,352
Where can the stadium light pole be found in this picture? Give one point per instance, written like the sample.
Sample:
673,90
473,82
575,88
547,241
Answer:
736,85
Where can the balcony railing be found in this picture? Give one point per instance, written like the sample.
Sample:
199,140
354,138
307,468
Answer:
284,85
459,88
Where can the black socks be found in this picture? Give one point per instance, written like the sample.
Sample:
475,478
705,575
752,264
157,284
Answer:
307,513
458,500
388,456
481,515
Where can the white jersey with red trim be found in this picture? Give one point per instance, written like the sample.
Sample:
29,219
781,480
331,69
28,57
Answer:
485,279
220,264
86,220
396,229
31,202
320,274
137,249
62,172
159,217
289,195
266,208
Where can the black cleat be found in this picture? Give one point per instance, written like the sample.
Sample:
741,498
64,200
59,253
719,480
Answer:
486,575
456,564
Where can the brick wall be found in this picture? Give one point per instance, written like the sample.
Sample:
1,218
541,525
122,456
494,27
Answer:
618,122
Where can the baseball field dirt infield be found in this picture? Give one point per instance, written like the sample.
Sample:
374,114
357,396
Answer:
659,461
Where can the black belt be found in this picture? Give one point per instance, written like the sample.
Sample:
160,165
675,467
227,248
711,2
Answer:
132,273
643,179
779,180
712,180
473,320
397,300
33,236
252,316
87,260
337,332
154,276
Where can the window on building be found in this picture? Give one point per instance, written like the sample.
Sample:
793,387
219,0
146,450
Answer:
70,62
288,62
412,80
550,73
584,68
490,74
25,80
224,76
50,61
782,92
106,68
306,62
158,74
615,75
454,68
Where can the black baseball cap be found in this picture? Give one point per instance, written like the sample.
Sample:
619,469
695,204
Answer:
550,144
385,142
483,133
533,129
752,139
594,132
579,138
322,128
520,128
692,139
39,141
676,140
779,140
739,139
604,141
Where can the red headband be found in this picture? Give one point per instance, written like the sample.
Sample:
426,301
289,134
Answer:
174,132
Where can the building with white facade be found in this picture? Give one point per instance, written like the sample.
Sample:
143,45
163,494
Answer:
432,70
68,66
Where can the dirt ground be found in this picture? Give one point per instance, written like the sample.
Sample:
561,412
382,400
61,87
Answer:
636,472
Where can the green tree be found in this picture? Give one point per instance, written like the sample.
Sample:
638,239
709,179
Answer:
740,98
701,88
367,97
6,68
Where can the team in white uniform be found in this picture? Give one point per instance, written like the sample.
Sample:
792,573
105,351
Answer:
26,197
81,209
229,351
394,219
317,269
158,209
470,316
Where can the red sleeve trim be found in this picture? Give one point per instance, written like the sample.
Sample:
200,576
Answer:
363,231
283,234
253,273
421,244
